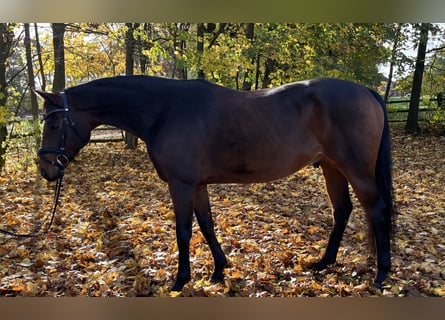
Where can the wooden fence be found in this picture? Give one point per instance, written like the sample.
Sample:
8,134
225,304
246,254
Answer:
397,115
106,133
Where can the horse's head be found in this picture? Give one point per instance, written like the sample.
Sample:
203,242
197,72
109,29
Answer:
64,134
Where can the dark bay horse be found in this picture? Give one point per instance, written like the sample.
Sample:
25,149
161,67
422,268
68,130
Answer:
198,133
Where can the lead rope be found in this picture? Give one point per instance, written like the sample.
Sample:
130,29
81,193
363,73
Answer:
38,230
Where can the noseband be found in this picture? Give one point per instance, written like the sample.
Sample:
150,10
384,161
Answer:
62,158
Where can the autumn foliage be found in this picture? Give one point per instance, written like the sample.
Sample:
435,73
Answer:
114,231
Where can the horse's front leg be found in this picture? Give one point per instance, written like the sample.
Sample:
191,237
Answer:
182,195
204,216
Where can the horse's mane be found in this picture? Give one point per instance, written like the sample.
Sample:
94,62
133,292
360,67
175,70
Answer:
136,80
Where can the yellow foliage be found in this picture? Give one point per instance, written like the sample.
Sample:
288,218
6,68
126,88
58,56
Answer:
3,115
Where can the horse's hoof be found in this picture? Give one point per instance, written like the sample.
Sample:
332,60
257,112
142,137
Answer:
179,284
217,279
177,287
378,286
319,266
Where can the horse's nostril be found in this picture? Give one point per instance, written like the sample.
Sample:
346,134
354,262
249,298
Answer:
46,176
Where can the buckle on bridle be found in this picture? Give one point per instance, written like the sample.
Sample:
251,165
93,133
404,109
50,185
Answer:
62,160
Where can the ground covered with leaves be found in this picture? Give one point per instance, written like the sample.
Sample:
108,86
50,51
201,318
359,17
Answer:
113,234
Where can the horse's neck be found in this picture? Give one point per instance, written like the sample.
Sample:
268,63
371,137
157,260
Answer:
132,112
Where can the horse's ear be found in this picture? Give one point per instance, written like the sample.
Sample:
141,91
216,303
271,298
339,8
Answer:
53,98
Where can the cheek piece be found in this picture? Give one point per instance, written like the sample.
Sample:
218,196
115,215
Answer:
62,159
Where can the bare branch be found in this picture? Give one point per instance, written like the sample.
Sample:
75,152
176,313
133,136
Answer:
436,49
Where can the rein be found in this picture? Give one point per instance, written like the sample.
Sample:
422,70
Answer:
38,230
61,161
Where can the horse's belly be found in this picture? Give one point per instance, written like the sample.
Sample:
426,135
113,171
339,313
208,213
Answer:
261,170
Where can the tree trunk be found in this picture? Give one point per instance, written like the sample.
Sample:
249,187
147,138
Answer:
393,60
39,55
3,147
247,82
6,40
412,123
129,49
200,48
142,57
130,140
269,68
59,56
181,44
32,85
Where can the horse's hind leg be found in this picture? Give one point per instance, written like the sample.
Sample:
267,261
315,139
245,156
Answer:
337,188
204,217
368,195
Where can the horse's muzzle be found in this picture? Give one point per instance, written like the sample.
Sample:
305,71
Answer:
52,177
54,169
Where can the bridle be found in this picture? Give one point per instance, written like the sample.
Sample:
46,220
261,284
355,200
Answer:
62,160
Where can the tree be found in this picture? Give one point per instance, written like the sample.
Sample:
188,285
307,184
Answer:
6,49
39,56
92,51
59,56
412,122
434,75
31,84
250,35
271,54
200,48
146,28
130,45
394,50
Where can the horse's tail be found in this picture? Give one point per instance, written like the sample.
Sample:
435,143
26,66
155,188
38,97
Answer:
383,169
